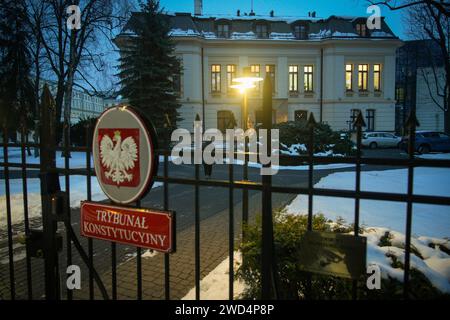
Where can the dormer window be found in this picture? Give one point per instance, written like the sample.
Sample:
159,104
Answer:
361,29
262,31
300,32
223,30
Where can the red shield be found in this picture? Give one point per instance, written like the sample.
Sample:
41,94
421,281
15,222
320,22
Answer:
119,156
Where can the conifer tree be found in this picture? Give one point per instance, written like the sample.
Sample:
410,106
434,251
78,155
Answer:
148,67
16,86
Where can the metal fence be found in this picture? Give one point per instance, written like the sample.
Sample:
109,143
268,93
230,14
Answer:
46,243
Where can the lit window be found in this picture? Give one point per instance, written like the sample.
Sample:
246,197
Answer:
231,74
349,77
215,78
255,71
377,77
270,70
362,77
361,29
293,78
308,78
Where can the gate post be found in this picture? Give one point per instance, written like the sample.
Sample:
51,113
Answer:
268,275
49,186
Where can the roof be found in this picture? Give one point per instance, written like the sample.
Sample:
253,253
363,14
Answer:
243,27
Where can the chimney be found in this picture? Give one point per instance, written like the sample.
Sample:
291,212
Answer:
239,13
272,13
198,7
313,14
252,13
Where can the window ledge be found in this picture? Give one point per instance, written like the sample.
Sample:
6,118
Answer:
309,94
363,93
377,93
349,93
293,94
216,94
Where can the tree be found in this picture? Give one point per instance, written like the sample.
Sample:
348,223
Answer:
73,53
429,19
148,67
16,85
441,6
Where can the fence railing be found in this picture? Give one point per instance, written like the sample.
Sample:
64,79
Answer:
23,170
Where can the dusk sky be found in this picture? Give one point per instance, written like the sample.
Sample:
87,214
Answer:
324,8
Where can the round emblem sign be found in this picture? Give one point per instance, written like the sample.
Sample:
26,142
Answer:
123,152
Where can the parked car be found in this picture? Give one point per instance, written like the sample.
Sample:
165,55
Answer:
375,140
428,141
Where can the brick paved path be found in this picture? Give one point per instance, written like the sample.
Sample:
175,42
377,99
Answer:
213,250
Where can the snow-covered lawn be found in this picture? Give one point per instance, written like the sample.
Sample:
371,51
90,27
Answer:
215,285
77,159
428,220
78,192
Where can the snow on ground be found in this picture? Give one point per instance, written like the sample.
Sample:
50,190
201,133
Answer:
77,160
435,264
215,285
436,156
428,220
78,192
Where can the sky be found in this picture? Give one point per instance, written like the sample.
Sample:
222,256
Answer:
323,8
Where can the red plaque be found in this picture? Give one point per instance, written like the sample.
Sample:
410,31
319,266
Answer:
152,229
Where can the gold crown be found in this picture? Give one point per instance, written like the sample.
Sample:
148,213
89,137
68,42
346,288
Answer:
117,133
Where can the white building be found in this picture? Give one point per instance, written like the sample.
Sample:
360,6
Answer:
333,67
84,105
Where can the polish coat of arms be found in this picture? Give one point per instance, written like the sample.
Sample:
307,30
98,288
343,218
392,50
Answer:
119,156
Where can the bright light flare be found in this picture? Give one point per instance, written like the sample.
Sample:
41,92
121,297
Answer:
243,86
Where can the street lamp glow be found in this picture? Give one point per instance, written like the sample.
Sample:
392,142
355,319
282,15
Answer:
243,86
247,79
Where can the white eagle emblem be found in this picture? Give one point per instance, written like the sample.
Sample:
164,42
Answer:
118,158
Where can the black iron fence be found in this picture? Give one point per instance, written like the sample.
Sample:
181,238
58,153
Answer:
47,244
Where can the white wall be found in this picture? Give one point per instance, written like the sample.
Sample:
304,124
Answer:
336,102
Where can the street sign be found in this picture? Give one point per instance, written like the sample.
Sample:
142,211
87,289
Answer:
333,254
145,228
124,156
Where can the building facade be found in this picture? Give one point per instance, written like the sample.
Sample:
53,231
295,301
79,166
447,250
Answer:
84,104
333,68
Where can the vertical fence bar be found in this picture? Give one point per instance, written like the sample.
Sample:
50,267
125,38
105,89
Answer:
197,232
359,123
12,285
231,229
67,183
268,266
139,265
89,198
25,209
311,126
113,271
411,123
166,207
245,171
